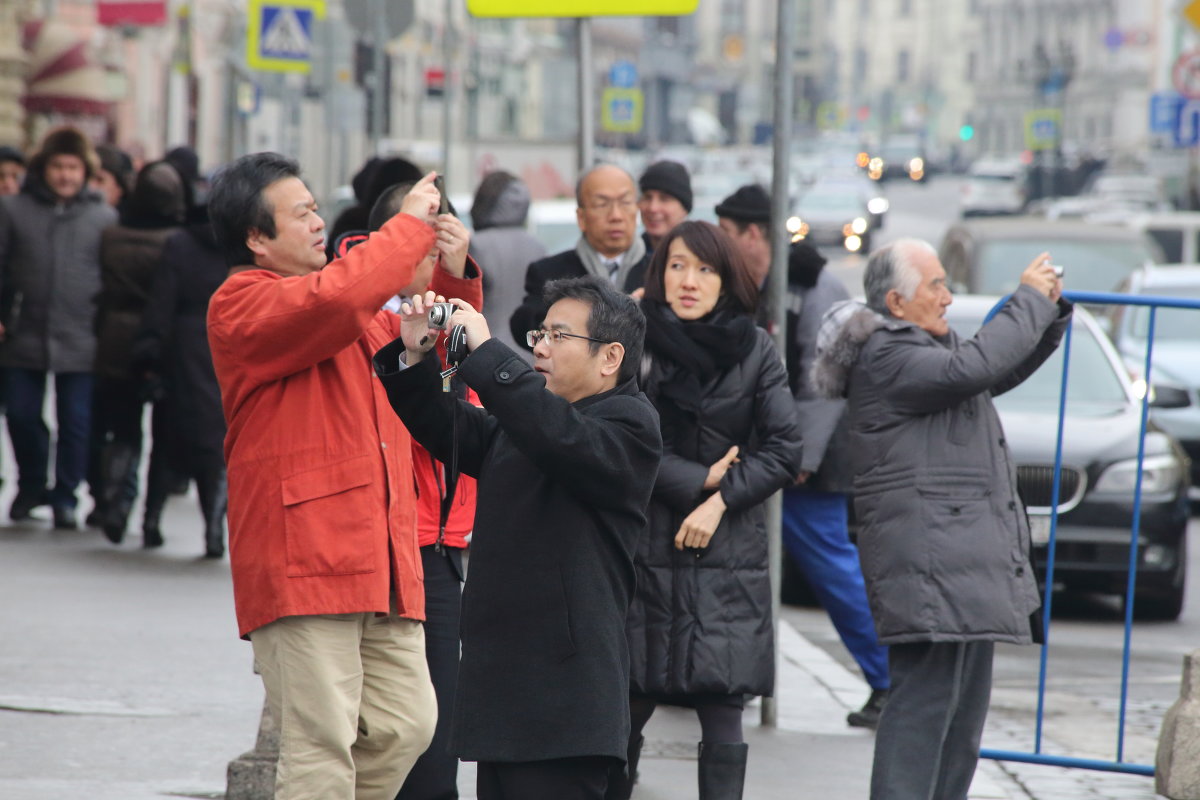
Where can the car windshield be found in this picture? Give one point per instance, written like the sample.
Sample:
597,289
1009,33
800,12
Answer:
1093,387
1175,324
1091,266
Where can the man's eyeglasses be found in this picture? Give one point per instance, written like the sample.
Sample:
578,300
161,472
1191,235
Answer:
554,337
605,204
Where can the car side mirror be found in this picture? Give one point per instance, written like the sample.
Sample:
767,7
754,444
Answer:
1169,397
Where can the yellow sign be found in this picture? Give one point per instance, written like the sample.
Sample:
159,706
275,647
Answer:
1043,129
621,110
1191,12
581,8
279,34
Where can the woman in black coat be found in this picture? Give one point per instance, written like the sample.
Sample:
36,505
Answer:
700,629
171,353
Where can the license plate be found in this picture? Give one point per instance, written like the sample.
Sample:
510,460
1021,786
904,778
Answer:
1039,528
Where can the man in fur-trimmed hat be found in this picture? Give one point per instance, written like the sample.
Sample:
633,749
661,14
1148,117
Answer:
49,279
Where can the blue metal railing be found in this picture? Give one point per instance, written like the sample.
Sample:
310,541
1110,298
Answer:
1037,757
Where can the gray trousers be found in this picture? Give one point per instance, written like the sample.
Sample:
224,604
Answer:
927,743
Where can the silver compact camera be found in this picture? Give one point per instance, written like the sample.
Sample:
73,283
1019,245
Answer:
1058,270
439,315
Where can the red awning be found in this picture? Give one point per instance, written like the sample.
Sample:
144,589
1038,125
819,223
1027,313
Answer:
62,76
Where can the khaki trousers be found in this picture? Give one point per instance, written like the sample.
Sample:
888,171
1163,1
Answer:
353,699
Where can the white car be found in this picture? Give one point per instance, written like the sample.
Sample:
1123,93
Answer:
993,186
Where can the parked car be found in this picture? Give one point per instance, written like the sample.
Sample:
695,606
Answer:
834,214
993,186
1099,469
1175,360
554,223
986,256
1177,233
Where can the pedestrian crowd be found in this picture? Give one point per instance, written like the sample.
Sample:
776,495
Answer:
491,504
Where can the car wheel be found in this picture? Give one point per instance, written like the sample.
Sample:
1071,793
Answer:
1164,602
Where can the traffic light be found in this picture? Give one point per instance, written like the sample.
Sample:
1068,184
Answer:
966,132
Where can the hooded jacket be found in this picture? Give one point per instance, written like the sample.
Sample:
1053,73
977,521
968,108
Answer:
943,538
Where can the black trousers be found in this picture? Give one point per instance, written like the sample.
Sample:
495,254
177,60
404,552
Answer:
435,775
579,778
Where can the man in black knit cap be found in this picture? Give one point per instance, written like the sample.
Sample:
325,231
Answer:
666,200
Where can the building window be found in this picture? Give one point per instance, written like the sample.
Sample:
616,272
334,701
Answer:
731,16
902,67
860,64
972,65
906,8
864,8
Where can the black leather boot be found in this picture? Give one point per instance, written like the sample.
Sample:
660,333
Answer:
722,770
620,783
118,470
158,488
210,485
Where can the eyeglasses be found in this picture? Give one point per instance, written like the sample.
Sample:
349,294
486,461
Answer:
605,204
554,337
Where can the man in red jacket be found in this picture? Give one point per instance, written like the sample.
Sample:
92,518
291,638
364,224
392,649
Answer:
326,568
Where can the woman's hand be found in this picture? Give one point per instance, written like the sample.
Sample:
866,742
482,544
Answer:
453,239
415,332
698,528
718,470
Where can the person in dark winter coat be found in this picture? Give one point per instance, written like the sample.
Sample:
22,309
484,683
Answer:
170,355
666,200
50,268
943,537
565,453
608,248
130,256
700,630
114,176
504,247
815,511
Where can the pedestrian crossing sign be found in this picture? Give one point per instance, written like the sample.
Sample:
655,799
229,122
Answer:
279,34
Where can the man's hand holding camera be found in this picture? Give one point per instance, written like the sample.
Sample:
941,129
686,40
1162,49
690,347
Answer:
420,333
1044,276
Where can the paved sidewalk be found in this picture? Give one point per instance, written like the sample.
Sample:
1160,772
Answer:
122,678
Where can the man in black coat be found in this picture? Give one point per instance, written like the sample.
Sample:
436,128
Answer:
565,453
608,247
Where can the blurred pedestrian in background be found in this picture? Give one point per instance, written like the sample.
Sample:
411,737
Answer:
815,512
504,247
12,170
130,256
171,358
609,247
376,175
666,200
700,629
114,176
942,532
50,265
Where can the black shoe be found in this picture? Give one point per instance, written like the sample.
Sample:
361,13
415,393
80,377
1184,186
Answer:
95,518
64,519
868,715
151,538
25,502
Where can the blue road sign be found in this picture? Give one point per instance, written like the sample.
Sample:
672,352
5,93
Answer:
280,34
623,75
1187,125
1164,111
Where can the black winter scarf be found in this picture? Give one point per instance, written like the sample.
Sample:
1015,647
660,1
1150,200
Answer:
692,353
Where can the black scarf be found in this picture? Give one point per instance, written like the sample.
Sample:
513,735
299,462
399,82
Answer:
692,353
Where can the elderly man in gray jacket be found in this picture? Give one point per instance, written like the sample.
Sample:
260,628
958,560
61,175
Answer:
943,538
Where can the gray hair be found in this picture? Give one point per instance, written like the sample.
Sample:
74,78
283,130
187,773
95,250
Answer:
891,267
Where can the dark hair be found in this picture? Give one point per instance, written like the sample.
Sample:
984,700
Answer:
117,163
388,205
712,246
487,194
613,317
160,198
236,204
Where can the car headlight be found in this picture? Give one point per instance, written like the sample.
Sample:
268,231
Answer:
858,225
1160,474
877,205
793,224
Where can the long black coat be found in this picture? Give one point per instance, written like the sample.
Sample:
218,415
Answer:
567,264
173,342
702,624
563,490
